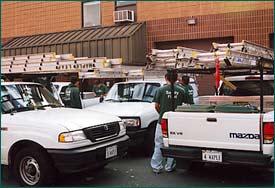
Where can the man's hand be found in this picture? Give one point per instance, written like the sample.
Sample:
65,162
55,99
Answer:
157,107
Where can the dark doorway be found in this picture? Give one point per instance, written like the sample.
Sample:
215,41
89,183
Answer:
201,44
271,40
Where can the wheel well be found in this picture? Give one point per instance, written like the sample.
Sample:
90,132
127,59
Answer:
19,146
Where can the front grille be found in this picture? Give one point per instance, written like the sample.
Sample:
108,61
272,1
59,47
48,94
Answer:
101,132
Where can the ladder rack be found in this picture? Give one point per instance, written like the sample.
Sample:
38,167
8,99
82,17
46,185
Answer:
112,73
50,62
162,59
240,54
246,47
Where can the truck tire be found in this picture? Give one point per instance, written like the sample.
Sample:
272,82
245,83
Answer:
32,167
100,167
149,141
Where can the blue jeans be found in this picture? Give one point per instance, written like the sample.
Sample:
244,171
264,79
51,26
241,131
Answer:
157,159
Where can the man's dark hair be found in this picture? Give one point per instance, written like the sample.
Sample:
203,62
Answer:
185,80
97,82
166,76
74,79
172,77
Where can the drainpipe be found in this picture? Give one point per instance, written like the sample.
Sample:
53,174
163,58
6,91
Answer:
261,85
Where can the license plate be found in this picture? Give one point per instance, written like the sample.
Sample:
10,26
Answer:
212,156
111,151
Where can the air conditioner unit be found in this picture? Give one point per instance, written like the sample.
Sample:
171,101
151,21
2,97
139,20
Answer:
124,16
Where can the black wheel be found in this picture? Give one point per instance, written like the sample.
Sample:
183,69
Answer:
32,167
149,142
101,167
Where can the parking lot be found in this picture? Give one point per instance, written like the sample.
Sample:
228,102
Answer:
134,170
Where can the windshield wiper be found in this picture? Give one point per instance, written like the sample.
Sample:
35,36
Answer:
50,105
109,100
25,108
136,100
9,111
113,100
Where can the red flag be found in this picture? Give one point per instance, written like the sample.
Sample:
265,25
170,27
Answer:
217,61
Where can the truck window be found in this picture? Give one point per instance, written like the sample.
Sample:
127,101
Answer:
23,97
248,88
62,91
150,92
133,92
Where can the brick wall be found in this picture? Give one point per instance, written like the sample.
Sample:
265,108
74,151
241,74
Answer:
250,25
107,9
27,18
162,10
255,26
5,40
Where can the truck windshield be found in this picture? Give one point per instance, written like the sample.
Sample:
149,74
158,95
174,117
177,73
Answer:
132,92
248,88
25,97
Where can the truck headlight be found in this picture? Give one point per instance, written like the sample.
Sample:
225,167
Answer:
122,127
71,136
131,122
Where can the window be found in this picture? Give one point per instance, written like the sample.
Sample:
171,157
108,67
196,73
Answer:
248,88
91,14
132,92
126,5
122,3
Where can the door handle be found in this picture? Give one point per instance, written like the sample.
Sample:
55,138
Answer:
211,119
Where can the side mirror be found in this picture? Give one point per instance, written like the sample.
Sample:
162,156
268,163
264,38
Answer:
101,99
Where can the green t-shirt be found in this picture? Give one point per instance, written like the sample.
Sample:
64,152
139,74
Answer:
189,91
101,90
164,98
72,94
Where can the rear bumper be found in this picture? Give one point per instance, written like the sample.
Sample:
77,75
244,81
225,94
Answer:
85,158
228,156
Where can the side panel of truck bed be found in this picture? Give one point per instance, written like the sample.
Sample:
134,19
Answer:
214,130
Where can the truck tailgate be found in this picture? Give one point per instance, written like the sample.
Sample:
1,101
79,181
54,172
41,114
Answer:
214,130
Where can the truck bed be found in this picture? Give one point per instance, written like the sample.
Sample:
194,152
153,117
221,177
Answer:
252,100
236,131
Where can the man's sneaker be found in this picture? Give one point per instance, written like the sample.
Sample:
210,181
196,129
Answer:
157,171
172,168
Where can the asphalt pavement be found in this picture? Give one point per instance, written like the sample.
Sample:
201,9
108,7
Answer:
134,170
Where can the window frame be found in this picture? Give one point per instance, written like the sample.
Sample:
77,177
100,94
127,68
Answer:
131,3
83,16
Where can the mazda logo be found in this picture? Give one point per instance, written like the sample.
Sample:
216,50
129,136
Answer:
106,128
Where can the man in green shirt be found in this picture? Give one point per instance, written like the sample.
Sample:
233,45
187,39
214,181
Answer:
164,103
72,94
184,83
100,89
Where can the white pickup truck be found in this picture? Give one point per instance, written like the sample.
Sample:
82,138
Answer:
40,138
132,102
88,99
224,134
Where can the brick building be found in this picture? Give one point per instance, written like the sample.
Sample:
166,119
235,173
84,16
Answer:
168,24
